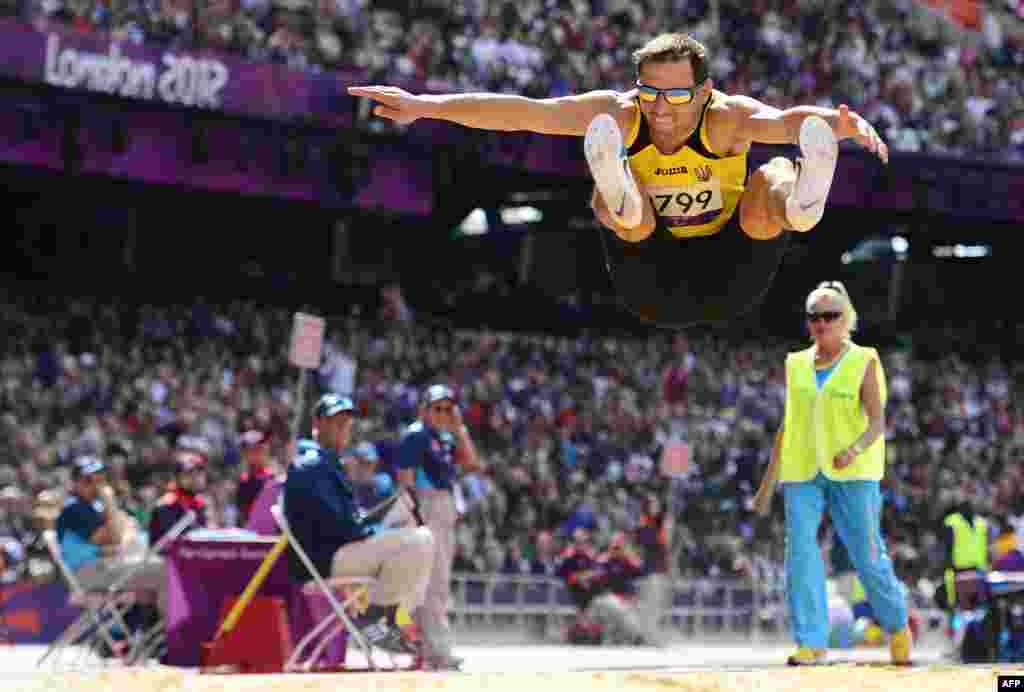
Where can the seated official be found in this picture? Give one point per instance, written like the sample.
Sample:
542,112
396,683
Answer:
321,508
254,442
151,578
183,497
94,535
91,528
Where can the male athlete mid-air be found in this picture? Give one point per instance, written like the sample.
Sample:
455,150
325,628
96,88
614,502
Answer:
691,234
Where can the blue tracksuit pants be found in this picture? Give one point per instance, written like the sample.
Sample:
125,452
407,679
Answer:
856,510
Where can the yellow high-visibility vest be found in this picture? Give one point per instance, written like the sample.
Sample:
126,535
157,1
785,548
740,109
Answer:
858,594
970,549
821,424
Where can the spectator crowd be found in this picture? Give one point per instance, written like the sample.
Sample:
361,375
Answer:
573,430
927,83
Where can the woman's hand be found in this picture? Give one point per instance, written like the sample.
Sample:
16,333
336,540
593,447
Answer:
844,459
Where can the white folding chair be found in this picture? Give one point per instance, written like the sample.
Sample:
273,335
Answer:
93,605
339,617
101,605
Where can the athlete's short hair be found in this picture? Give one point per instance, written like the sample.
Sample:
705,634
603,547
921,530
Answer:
674,48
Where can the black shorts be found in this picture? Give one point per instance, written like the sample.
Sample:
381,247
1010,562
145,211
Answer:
678,282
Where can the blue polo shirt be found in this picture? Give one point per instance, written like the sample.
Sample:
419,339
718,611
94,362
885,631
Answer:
321,508
432,453
77,523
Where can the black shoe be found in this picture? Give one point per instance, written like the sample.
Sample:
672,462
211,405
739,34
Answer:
378,624
151,618
447,663
396,642
375,622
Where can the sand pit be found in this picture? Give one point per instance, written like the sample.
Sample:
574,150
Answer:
688,666
837,678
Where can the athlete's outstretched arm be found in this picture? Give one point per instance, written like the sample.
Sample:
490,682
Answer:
759,122
566,115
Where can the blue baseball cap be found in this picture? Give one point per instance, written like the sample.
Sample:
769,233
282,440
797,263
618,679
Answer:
333,404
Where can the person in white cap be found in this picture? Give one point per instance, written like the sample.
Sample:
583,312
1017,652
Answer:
429,453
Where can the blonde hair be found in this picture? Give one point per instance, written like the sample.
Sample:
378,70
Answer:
835,289
674,48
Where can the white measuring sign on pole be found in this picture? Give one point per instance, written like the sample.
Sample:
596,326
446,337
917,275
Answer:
307,341
306,348
675,459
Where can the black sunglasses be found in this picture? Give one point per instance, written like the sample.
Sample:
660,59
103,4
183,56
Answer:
830,316
442,408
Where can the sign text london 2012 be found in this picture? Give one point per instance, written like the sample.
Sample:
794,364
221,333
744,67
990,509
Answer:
180,79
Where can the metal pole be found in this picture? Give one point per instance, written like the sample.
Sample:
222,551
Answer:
670,510
896,288
526,258
300,399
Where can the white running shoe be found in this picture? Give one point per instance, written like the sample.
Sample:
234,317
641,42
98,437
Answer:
815,170
609,165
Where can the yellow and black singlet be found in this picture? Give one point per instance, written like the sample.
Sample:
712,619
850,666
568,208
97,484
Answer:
694,192
698,265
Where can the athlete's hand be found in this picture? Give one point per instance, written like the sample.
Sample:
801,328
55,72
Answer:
394,103
631,235
852,125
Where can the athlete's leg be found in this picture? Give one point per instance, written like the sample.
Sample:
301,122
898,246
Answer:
783,195
763,205
618,202
606,157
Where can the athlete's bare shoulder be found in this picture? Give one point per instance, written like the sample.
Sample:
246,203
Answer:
726,117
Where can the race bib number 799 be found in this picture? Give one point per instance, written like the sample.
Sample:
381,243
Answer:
691,205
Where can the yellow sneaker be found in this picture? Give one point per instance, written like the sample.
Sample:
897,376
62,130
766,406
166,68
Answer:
874,636
806,656
900,646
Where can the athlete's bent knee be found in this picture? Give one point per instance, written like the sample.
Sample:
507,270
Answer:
760,229
635,234
755,214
